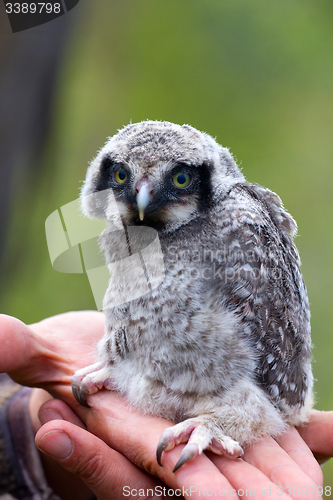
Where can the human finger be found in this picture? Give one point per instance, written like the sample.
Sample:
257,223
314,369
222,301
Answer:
267,456
29,358
293,444
241,473
41,355
246,480
106,472
17,344
55,409
318,434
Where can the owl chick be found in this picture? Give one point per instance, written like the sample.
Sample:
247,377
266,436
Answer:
221,346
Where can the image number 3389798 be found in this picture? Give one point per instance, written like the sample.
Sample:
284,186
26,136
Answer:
24,15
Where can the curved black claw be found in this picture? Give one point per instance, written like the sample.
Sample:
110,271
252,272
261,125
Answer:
80,395
190,451
183,459
163,443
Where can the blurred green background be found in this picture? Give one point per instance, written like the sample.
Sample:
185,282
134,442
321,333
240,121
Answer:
257,75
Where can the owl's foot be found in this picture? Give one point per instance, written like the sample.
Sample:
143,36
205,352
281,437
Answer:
90,380
200,433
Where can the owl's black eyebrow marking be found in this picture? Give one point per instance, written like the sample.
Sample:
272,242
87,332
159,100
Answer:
205,186
107,165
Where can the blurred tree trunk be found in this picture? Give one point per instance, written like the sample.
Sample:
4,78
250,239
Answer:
29,62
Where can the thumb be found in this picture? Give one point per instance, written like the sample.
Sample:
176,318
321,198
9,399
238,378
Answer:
17,346
105,471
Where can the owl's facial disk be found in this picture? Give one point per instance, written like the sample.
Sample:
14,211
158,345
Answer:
169,194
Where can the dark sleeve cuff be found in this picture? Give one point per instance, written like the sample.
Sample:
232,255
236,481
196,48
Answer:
21,471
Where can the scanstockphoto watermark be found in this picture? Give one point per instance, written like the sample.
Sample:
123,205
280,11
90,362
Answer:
26,14
283,491
164,491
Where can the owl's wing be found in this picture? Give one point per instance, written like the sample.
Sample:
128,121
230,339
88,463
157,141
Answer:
264,287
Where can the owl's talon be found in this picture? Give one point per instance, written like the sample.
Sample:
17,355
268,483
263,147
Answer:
89,380
79,394
159,452
201,433
183,459
163,444
189,453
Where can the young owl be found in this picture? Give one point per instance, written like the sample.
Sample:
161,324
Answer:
220,342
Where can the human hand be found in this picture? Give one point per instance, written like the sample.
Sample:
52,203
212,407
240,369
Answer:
283,468
46,354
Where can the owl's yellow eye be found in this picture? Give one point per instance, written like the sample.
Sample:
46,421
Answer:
181,179
120,176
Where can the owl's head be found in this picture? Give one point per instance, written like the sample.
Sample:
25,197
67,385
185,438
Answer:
160,174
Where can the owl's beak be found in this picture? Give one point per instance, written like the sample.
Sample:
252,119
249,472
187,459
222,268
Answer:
142,200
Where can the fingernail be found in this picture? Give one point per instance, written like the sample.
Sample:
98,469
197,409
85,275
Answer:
48,415
57,444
